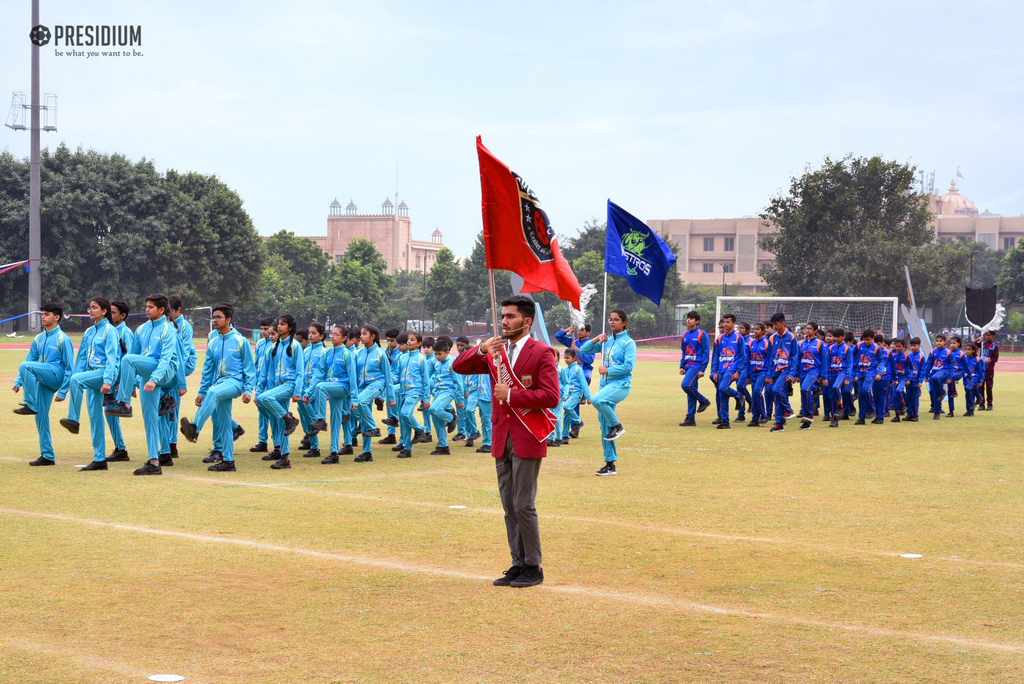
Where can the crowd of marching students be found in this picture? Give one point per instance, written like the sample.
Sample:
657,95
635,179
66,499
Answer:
873,379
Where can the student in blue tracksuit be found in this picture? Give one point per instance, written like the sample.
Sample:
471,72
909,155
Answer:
158,366
374,371
900,375
229,372
46,371
472,385
745,401
129,344
809,369
849,407
757,373
915,364
839,371
190,358
460,345
447,386
484,396
555,438
334,382
956,372
577,392
400,358
783,355
394,357
268,328
575,339
866,357
313,352
282,378
728,364
618,357
95,372
415,393
427,350
884,382
969,363
696,352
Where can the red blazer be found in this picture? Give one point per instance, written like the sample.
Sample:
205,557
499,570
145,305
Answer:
537,360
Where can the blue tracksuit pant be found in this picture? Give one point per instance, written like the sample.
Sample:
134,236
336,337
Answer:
865,393
570,414
274,403
307,414
441,416
158,434
469,428
757,403
364,410
693,395
338,395
407,420
485,421
217,405
90,382
725,392
605,401
782,406
807,385
39,384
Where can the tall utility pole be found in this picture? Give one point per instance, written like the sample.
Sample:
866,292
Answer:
34,247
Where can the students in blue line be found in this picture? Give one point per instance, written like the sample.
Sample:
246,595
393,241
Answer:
334,382
448,388
229,372
617,361
96,370
129,344
189,359
394,356
414,391
728,365
577,392
46,371
312,340
280,380
268,327
374,377
696,352
810,368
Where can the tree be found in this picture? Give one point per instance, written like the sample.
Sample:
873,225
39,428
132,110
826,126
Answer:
305,258
939,271
1010,283
476,283
846,229
442,292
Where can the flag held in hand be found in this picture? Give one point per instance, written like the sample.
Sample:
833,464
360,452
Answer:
637,253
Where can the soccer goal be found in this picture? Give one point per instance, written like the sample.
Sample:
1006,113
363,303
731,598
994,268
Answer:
855,314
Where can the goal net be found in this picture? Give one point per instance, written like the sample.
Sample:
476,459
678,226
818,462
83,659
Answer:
855,314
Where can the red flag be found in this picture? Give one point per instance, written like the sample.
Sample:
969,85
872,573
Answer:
517,233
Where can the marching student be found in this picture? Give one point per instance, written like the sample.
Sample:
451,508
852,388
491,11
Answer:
867,357
578,391
374,371
484,395
900,376
394,355
915,361
460,434
849,409
158,364
970,365
990,355
472,385
268,328
281,379
575,339
427,351
617,361
745,401
313,352
838,372
334,380
555,439
229,372
95,372
936,372
956,372
783,354
129,344
188,345
728,363
696,347
415,394
757,374
883,383
45,371
447,386
809,369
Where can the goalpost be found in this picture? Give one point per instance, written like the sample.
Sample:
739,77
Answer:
849,313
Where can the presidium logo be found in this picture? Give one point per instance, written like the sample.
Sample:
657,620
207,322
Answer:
98,36
634,244
39,35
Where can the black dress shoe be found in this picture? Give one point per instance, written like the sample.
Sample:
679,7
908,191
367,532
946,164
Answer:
188,429
95,465
329,460
312,453
689,422
484,450
166,460
149,469
71,425
273,455
531,576
290,423
24,411
258,448
510,574
281,464
441,451
319,425
223,467
237,432
119,410
41,461
167,404
364,457
118,456
214,457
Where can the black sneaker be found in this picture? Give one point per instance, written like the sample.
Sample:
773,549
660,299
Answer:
716,421
510,574
188,429
608,469
951,415
419,437
167,405
860,421
364,457
471,443
459,438
614,433
754,423
845,416
554,443
174,450
565,442
428,438
312,453
805,425
896,419
345,451
375,432
120,410
968,414
149,469
166,460
237,432
475,435
912,419
937,416
281,464
574,432
95,465
24,411
41,461
304,444
397,447
441,451
118,456
290,423
702,406
319,425
452,424
689,422
259,448
331,459
484,450
390,422
109,399
834,423
404,453
214,457
390,439
273,455
531,576
71,425
878,421
223,467
778,428
723,425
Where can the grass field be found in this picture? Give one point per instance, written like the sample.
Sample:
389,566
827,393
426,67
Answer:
714,556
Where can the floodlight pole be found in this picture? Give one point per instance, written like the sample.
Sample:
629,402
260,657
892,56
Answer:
34,247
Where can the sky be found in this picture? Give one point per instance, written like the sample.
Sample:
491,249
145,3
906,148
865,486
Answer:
674,110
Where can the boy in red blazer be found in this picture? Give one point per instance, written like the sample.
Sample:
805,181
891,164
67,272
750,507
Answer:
518,414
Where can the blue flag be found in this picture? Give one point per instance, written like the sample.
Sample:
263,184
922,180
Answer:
637,253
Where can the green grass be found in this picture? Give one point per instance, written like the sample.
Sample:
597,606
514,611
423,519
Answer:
714,556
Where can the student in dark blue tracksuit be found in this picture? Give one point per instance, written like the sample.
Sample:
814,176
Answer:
838,360
783,355
696,347
900,376
936,373
809,370
728,363
883,382
866,357
757,372
915,361
745,401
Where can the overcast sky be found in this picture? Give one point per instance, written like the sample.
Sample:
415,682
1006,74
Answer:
671,109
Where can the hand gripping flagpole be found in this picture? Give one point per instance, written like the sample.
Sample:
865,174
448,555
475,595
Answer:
494,318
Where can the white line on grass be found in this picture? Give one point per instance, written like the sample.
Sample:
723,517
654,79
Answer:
83,660
632,599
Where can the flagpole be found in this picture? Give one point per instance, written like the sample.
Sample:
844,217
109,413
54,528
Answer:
604,313
494,320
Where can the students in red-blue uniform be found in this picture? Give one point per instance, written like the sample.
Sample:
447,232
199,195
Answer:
915,361
745,401
971,370
936,372
849,408
956,372
867,357
728,362
900,375
782,355
838,365
809,369
882,381
757,372
695,346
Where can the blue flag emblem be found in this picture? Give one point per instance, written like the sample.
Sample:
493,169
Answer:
637,253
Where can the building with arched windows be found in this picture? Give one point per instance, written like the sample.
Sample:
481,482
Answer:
390,231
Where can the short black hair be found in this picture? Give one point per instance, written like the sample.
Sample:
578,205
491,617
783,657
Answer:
159,301
174,301
695,315
848,337
402,338
899,341
427,342
940,336
570,352
463,339
838,333
224,308
778,316
54,308
268,321
442,345
524,303
915,340
302,334
122,306
731,317
622,315
391,332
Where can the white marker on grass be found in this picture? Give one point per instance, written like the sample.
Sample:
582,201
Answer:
456,507
910,555
166,678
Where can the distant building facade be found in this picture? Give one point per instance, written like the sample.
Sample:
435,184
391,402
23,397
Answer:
712,248
390,231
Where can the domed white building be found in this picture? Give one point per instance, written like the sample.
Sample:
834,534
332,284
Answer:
956,215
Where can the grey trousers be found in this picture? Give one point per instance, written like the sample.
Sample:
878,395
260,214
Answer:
517,484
